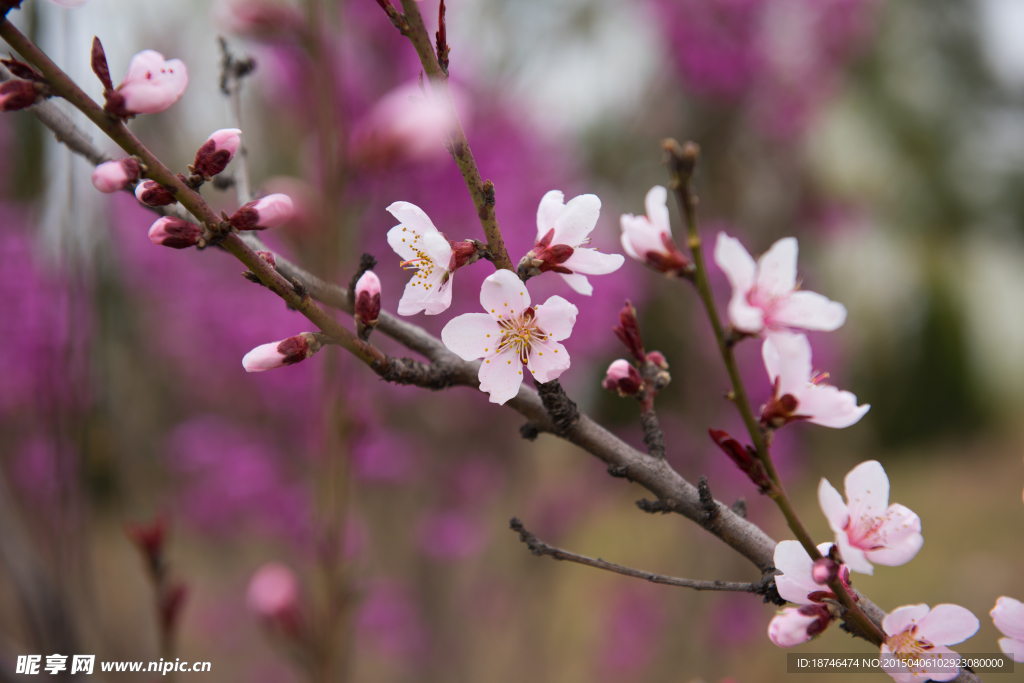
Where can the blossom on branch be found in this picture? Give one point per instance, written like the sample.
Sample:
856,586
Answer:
1008,616
766,296
218,150
268,212
279,354
648,239
916,633
434,258
869,530
174,233
512,333
367,304
562,230
151,85
798,392
113,176
623,378
797,583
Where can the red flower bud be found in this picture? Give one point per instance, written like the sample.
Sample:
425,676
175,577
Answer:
623,378
367,307
174,233
744,457
17,94
152,193
218,150
628,331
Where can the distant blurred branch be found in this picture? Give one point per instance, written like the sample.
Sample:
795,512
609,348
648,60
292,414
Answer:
539,547
232,72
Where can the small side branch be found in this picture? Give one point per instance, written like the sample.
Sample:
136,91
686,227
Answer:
539,547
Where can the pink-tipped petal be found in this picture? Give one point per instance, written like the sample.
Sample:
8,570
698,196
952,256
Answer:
831,502
903,618
901,535
503,295
274,209
548,360
832,407
853,557
264,357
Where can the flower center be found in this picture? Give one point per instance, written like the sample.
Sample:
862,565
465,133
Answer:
520,334
906,646
863,532
423,265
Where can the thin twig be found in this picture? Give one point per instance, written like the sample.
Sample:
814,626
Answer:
539,547
232,71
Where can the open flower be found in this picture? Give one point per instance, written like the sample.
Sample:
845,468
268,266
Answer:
766,296
512,333
151,85
1008,616
869,530
914,634
433,257
648,238
796,582
562,230
798,392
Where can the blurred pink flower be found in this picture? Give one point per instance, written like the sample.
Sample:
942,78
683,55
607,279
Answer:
869,530
914,632
1008,616
273,593
648,239
405,124
113,176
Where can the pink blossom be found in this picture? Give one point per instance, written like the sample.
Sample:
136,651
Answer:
268,212
798,392
1008,616
152,193
273,595
17,94
113,176
793,626
766,296
279,354
914,632
623,378
562,230
869,530
174,233
367,306
402,125
432,256
218,150
648,239
151,85
510,334
796,582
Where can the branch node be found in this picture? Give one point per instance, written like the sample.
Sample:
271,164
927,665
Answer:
739,508
300,289
529,431
707,503
655,506
620,472
560,407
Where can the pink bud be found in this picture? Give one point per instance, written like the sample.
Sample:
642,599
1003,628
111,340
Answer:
795,625
628,332
279,354
174,233
368,298
623,378
824,570
273,592
151,85
658,358
17,94
112,176
216,152
152,193
268,212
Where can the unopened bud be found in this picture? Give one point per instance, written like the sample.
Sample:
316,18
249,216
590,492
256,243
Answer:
623,378
174,233
658,358
218,150
274,596
279,354
152,193
367,306
824,570
795,625
113,176
150,540
268,212
628,331
744,457
268,256
16,94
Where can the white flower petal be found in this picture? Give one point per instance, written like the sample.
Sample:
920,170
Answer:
471,335
776,269
948,625
639,237
438,249
810,311
736,263
853,557
504,295
577,221
551,207
794,352
656,205
899,537
402,242
833,506
547,360
830,406
579,283
743,316
902,618
413,217
501,375
795,582
556,317
867,490
593,262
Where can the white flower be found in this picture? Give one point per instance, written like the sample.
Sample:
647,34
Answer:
869,530
800,393
512,333
916,633
426,251
562,230
766,296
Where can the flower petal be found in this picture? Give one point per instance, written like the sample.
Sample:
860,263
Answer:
836,512
639,237
547,360
743,316
795,582
577,221
401,240
504,295
895,667
501,375
794,370
830,406
809,311
471,335
867,490
551,207
556,317
1013,648
776,269
736,263
902,618
948,625
656,205
853,557
1008,616
593,262
412,217
438,249
579,283
900,538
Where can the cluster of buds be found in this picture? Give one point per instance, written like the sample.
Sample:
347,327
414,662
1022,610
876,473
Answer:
279,354
622,376
151,85
745,458
28,88
114,176
367,304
